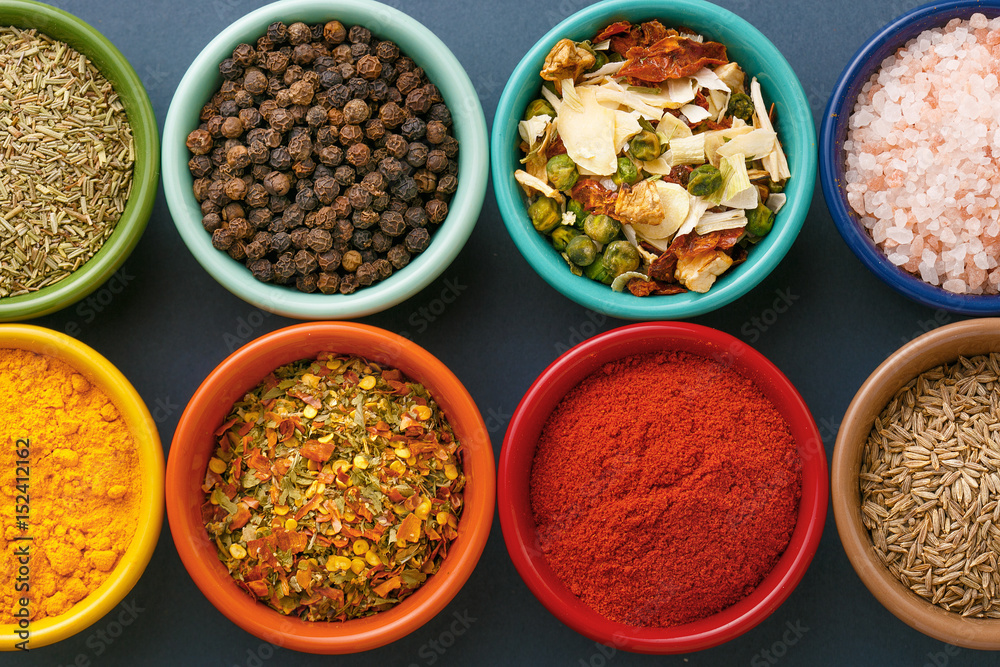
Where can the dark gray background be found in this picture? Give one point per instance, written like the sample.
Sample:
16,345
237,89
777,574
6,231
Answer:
820,316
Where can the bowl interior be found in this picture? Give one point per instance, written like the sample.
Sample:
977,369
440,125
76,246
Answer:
67,28
943,345
194,443
833,134
519,450
101,373
758,57
201,81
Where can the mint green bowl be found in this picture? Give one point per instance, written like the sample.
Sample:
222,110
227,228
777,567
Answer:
84,38
201,81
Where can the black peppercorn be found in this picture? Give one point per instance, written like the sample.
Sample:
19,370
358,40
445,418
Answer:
358,197
381,243
383,268
232,211
348,284
256,250
305,262
334,32
415,216
284,268
365,274
250,118
407,82
237,251
360,50
437,161
426,181
437,210
319,240
223,238
280,120
277,33
329,260
278,203
413,129
342,231
392,223
200,165
364,219
306,199
358,34
351,134
351,261
397,146
306,283
367,256
398,256
328,283
260,217
391,169
436,132
450,146
439,112
331,156
418,101
276,182
387,51
256,196
447,185
417,155
211,222
417,240
280,242
341,207
369,67
389,74
258,152
238,157
275,62
262,270
326,190
378,91
255,82
358,88
356,112
299,33
230,69
358,154
405,188
200,142
208,207
217,193
391,115
293,216
241,228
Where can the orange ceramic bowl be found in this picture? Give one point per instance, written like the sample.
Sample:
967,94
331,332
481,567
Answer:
194,443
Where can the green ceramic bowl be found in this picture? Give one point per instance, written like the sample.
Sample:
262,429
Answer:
443,69
67,28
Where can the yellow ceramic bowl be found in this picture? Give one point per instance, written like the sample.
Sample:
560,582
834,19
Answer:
101,373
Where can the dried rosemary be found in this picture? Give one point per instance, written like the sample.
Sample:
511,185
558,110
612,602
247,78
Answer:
335,490
66,161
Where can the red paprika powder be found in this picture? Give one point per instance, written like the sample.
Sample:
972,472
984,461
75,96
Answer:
664,488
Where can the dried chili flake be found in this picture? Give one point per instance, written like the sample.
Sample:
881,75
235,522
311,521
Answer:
349,486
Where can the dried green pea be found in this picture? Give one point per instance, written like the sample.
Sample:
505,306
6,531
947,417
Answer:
544,214
577,209
581,250
561,171
598,271
645,146
562,235
704,180
621,257
759,222
627,173
601,228
741,106
539,107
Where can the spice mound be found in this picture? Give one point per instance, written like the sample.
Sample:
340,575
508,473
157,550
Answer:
664,489
651,163
326,159
66,172
930,485
336,489
920,157
71,486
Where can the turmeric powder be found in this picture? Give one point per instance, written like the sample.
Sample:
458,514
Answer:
83,490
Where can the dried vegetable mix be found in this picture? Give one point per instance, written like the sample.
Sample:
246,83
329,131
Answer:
336,489
649,161
66,166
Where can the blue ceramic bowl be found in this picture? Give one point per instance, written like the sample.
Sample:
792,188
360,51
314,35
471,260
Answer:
202,79
758,57
833,133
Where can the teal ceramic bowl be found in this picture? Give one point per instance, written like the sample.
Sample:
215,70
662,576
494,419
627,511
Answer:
145,175
758,57
443,69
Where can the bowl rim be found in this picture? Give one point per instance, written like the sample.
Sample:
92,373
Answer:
771,250
517,522
921,352
103,374
145,171
442,67
833,130
197,552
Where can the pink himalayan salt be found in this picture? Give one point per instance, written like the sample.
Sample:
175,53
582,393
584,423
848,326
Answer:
921,171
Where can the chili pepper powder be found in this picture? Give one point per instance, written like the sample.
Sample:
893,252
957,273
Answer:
664,488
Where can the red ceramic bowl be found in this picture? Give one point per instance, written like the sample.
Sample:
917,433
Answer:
519,449
194,442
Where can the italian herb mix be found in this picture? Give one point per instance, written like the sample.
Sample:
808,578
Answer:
336,489
326,160
651,162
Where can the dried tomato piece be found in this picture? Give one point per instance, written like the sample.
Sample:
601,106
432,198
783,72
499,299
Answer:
640,287
594,197
615,28
662,268
672,57
554,148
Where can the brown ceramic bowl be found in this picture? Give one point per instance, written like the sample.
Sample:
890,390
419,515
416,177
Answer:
943,345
